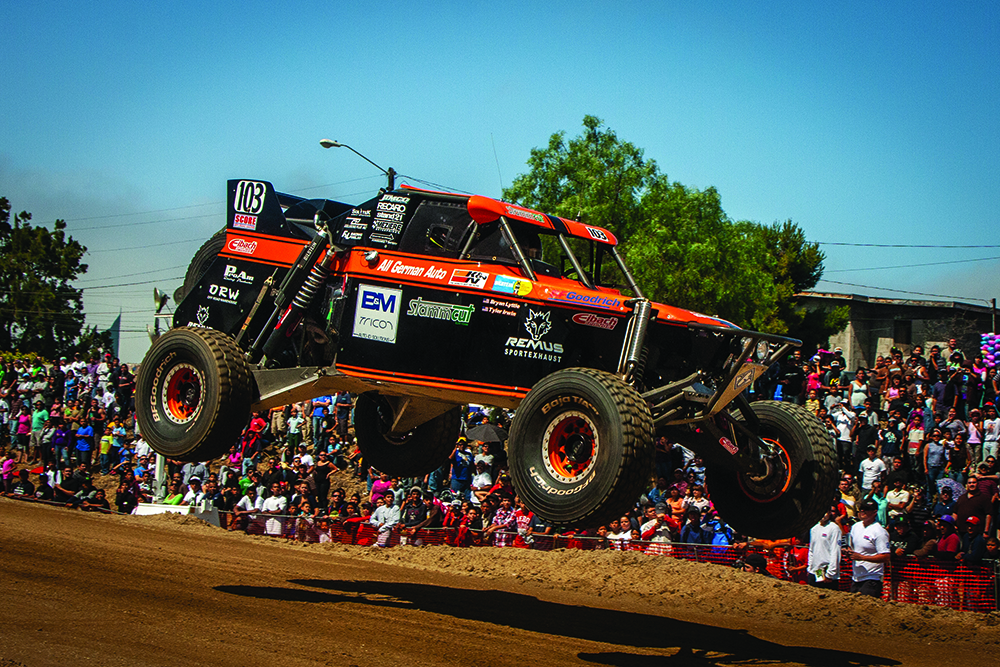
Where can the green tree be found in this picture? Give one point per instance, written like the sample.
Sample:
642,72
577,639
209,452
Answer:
680,244
40,312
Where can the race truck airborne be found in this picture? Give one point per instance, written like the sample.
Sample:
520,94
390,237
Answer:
420,302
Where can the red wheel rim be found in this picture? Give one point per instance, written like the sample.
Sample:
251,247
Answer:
788,477
570,447
182,389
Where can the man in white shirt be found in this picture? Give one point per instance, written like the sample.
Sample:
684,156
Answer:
871,469
823,564
384,519
869,549
482,482
991,433
274,505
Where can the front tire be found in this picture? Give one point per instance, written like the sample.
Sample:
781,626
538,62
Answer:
414,454
193,394
806,492
581,448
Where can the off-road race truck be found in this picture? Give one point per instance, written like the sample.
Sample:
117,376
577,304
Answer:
421,302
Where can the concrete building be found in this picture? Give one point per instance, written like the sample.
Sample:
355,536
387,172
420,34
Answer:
876,325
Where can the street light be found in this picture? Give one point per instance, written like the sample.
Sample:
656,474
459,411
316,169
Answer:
390,172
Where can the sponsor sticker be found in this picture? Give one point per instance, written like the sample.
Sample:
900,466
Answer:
743,378
508,285
234,275
596,300
201,315
242,246
224,294
400,268
376,314
243,221
596,321
440,311
537,324
524,214
469,278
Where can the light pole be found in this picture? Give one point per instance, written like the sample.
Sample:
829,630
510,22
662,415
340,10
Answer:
390,173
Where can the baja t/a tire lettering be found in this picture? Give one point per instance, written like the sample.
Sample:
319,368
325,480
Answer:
581,447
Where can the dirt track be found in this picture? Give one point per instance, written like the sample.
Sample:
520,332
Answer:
79,589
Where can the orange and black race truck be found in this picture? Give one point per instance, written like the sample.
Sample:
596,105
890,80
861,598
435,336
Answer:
421,302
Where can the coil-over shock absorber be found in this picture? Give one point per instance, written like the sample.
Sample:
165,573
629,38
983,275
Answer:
295,294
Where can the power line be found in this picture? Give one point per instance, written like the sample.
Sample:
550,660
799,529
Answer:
910,266
147,222
901,291
902,245
140,273
143,247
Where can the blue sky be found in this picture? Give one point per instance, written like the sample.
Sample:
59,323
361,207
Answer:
873,123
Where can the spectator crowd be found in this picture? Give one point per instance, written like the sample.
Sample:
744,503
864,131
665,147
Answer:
916,440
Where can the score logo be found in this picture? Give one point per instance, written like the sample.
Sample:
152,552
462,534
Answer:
376,314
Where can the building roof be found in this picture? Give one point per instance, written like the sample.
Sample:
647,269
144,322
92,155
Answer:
919,303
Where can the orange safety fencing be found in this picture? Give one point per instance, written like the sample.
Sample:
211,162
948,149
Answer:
909,580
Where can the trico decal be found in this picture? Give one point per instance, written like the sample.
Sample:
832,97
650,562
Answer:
468,278
596,233
399,268
396,199
596,321
526,215
728,445
242,246
376,314
156,385
234,275
249,197
567,400
596,300
508,285
440,311
223,294
537,324
558,492
241,221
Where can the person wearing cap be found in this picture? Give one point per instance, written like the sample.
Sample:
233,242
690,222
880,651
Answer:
949,543
902,540
973,544
869,551
871,469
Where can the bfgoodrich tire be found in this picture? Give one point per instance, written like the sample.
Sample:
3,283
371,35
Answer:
193,394
422,450
581,448
808,453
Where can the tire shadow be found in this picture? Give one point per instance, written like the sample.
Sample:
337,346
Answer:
696,643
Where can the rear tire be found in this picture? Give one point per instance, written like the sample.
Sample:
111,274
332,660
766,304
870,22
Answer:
193,394
810,456
581,448
417,453
202,259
